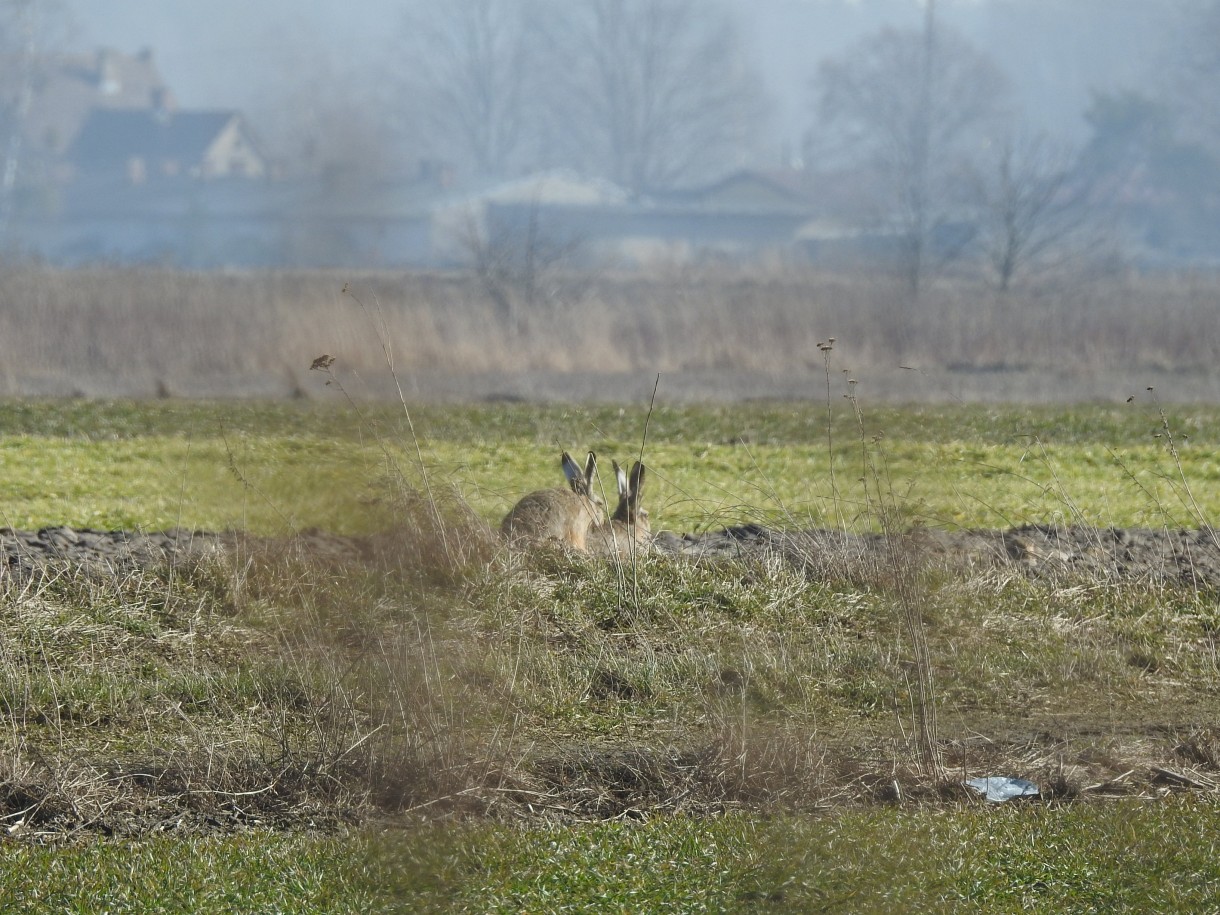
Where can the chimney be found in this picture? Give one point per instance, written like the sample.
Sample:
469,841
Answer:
109,81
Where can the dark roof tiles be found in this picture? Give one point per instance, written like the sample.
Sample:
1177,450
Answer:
112,137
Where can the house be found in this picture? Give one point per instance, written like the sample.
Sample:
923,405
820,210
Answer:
107,113
742,215
65,88
783,191
557,209
143,144
745,214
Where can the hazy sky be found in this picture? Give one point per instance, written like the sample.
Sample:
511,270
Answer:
215,53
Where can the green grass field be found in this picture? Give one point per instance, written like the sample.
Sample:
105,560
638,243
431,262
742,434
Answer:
494,733
273,468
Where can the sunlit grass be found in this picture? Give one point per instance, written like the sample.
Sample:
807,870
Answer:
1155,858
269,469
260,871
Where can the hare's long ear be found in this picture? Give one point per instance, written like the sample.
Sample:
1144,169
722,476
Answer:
581,481
622,511
572,472
637,483
590,471
620,480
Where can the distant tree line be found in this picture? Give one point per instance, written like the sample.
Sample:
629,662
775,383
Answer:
918,122
647,93
913,132
926,124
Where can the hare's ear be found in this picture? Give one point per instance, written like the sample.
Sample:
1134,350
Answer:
637,482
620,480
590,470
572,471
581,481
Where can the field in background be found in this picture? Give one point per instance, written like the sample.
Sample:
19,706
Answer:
276,469
449,727
713,334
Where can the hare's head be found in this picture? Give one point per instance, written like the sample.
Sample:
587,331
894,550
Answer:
628,529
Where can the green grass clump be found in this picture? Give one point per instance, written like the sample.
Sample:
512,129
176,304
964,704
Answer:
258,871
1155,857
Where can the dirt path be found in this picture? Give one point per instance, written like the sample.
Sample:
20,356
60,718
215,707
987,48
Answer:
1188,557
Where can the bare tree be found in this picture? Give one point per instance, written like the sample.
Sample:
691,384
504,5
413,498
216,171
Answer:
1158,171
473,65
906,104
319,117
644,92
522,265
650,93
1035,207
1195,67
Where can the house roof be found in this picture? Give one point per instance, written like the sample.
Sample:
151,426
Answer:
68,86
112,137
557,187
747,191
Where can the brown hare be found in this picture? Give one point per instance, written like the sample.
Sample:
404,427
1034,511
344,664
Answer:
628,528
563,515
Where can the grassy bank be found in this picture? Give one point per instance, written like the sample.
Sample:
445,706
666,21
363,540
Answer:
442,725
260,871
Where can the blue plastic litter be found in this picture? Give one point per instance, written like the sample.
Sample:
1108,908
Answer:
997,788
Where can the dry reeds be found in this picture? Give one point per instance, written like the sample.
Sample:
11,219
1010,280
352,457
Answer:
115,331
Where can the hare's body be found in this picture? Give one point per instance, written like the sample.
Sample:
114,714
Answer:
558,515
629,528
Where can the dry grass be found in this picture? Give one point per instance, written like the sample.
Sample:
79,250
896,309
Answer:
429,671
144,331
307,682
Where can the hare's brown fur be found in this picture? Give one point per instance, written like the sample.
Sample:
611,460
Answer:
558,515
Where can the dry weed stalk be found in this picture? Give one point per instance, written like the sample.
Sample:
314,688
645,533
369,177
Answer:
1184,489
903,569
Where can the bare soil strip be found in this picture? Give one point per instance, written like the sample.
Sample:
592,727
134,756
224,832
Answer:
1186,556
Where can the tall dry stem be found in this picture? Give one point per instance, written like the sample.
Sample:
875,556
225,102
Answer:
903,571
